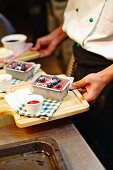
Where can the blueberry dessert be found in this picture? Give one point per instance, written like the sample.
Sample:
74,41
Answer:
19,66
51,82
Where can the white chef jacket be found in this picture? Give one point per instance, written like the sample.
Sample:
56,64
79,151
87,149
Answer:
90,23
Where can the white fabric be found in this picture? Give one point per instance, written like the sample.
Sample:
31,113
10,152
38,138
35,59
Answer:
95,36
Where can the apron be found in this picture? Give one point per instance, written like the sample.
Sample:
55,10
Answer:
96,125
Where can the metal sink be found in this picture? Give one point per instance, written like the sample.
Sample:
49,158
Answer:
42,154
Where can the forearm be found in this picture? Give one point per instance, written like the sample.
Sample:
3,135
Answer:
107,74
58,35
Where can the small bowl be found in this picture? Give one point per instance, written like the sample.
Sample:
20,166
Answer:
5,80
33,104
14,42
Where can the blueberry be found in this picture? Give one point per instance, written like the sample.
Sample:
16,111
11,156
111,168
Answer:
41,79
55,81
49,84
52,82
58,85
18,68
22,64
23,68
56,78
59,80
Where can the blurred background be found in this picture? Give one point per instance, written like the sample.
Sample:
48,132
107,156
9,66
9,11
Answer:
36,18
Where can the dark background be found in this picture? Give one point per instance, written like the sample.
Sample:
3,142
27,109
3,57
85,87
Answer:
30,17
27,16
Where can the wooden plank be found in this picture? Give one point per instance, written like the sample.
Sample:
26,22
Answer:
28,55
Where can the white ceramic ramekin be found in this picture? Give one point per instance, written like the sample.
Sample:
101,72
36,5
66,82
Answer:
5,80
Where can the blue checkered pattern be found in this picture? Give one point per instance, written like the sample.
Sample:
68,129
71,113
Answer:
47,111
15,81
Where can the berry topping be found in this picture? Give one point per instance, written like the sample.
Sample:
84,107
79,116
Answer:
52,82
56,78
19,66
49,84
55,81
41,79
23,68
58,85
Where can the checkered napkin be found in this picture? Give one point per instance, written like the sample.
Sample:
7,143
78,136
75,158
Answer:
36,68
47,111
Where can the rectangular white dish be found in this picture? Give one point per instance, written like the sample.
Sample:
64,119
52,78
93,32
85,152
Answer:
54,93
18,73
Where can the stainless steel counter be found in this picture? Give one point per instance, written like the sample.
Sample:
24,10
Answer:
75,151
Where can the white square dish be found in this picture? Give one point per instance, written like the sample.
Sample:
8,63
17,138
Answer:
15,69
51,87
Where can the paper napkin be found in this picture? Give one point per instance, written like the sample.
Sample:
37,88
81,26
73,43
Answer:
17,100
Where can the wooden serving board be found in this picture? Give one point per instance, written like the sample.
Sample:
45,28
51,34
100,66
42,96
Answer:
72,104
28,55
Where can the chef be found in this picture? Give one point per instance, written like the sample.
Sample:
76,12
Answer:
90,24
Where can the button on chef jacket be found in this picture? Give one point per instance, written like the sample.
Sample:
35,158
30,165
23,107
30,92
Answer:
90,23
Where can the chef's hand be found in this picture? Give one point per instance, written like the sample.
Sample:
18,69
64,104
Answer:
47,45
90,86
